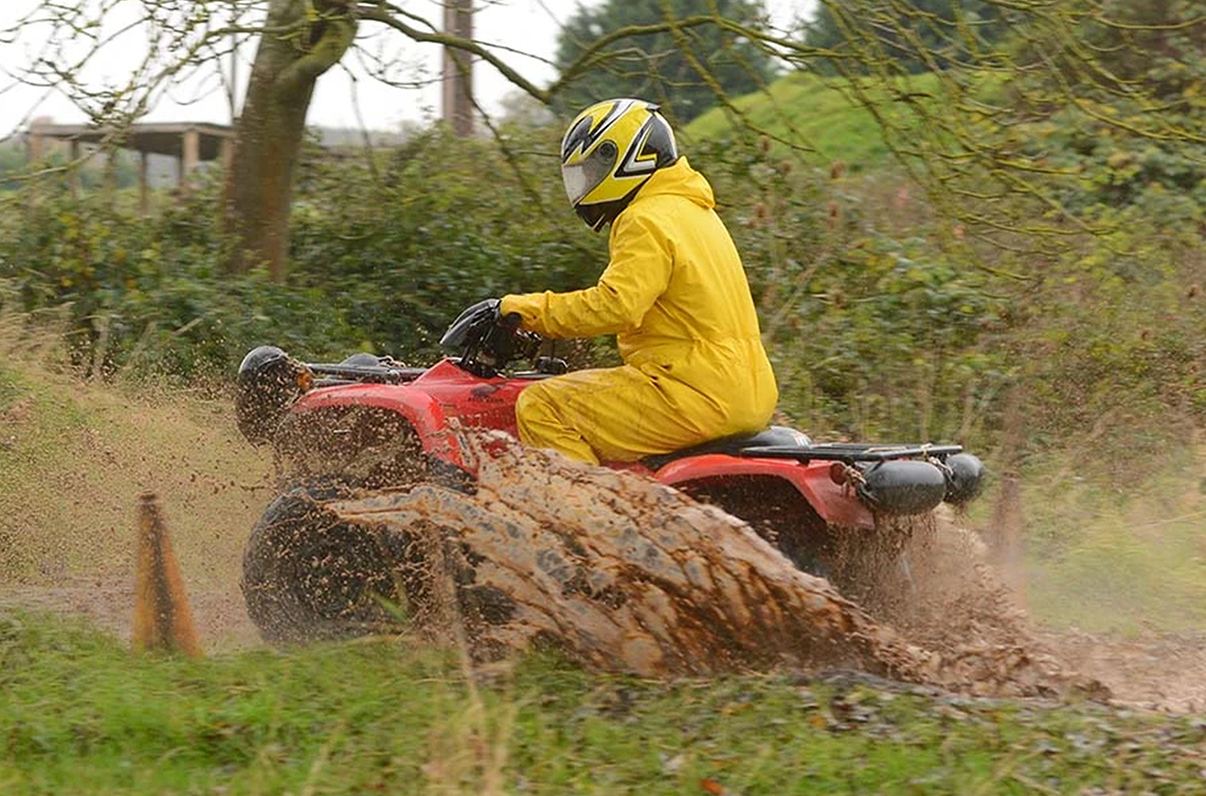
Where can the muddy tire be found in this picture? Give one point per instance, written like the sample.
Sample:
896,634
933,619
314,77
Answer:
308,575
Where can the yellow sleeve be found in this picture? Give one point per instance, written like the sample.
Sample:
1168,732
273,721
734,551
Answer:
637,273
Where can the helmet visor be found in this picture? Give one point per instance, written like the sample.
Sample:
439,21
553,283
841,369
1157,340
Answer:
582,178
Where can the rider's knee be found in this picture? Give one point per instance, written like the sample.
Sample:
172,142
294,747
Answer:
534,402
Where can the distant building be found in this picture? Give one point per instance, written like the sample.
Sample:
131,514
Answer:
169,153
189,144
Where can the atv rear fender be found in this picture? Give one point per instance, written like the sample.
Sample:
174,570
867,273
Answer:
831,501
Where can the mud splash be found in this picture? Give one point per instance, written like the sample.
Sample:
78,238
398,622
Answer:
624,574
1151,671
77,455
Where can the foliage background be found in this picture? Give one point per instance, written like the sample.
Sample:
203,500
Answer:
880,321
664,66
920,245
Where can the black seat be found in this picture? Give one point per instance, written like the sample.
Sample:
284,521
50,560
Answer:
775,435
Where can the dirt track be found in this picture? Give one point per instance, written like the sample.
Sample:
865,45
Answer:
76,457
79,457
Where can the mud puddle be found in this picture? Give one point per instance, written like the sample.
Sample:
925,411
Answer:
107,601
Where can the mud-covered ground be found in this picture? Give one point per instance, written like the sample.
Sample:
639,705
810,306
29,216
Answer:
76,457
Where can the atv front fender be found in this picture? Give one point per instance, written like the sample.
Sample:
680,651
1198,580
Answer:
834,503
440,434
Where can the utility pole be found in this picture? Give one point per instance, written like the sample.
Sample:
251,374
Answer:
232,79
458,78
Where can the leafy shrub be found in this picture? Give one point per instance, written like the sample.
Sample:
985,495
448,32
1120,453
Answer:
880,321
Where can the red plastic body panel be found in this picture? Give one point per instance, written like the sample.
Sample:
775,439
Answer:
438,404
831,501
424,413
446,399
476,402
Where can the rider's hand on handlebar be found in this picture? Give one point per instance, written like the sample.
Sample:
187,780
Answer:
510,321
485,336
493,307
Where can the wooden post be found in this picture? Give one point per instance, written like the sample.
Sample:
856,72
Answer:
143,188
1005,530
458,78
34,149
190,158
226,153
75,169
111,173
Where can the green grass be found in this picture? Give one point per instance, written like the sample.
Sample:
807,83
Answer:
810,112
78,714
818,114
10,389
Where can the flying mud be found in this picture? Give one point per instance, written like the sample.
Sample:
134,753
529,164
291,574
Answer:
623,574
938,616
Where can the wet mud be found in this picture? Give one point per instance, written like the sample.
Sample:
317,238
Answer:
624,574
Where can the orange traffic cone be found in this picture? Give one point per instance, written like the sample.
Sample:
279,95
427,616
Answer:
162,617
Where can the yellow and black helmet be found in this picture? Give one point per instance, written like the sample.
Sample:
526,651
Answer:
608,153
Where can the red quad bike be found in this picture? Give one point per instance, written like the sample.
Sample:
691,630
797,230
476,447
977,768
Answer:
840,510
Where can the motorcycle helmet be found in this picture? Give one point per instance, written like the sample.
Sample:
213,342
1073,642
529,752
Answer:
609,151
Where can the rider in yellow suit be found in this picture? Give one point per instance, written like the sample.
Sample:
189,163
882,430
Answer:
674,292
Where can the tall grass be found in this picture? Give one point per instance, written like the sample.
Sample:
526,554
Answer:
79,715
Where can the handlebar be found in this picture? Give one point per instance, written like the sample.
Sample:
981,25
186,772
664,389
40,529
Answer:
488,341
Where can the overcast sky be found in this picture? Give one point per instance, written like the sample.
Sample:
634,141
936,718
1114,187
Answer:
529,26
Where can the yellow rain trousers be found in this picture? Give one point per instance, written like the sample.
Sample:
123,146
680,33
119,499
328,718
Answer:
676,296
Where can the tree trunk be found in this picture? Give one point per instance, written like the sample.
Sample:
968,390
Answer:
294,51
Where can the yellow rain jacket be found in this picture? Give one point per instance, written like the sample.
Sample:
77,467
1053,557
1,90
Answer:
676,296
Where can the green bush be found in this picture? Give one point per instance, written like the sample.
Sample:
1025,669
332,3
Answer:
151,293
880,322
384,256
410,240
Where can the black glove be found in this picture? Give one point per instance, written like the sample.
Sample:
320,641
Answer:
472,326
512,320
481,334
501,337
506,341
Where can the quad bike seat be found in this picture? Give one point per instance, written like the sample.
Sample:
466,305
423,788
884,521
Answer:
733,445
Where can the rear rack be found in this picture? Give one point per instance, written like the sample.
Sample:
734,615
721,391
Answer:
849,452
